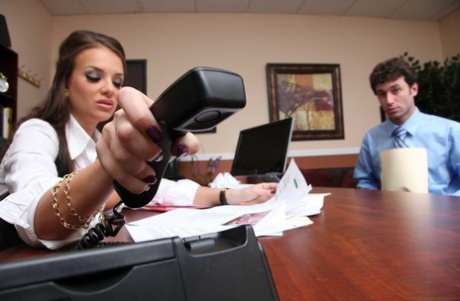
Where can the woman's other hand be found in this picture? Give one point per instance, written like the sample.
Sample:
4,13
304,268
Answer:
250,195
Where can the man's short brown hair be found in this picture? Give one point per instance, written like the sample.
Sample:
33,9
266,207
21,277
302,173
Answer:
392,69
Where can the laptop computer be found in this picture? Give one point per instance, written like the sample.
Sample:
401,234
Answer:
261,151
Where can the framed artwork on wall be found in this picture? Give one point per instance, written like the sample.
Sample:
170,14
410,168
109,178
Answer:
309,93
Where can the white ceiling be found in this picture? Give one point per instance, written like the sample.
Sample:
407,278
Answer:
423,10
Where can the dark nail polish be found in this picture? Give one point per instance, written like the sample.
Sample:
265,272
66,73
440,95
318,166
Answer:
150,180
182,150
155,134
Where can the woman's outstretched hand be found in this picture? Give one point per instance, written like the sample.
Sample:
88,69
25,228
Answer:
132,139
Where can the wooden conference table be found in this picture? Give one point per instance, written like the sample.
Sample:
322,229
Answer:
364,245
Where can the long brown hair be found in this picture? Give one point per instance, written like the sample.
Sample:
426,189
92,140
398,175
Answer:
55,108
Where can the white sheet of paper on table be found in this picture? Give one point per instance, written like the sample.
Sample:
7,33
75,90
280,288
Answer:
289,208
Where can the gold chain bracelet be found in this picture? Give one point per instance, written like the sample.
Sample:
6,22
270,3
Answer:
67,178
86,219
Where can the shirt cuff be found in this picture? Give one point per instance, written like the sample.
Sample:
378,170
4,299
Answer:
175,193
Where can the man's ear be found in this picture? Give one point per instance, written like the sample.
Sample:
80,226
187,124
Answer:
414,89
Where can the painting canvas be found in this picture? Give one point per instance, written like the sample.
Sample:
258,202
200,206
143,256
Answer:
311,95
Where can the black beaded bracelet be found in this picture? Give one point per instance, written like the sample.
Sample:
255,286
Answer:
222,198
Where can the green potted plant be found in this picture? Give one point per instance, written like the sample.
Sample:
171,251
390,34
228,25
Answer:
439,86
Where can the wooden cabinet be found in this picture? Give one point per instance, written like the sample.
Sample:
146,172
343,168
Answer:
8,99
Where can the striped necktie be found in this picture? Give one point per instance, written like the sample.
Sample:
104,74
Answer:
399,135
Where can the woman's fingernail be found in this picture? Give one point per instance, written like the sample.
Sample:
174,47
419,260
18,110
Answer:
159,158
182,150
150,180
155,134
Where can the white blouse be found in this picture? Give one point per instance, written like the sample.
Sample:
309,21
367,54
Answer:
28,170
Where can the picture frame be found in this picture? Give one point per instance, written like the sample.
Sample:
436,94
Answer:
309,93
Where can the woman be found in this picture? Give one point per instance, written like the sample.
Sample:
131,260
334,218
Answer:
59,169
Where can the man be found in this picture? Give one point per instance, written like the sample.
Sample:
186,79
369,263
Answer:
394,83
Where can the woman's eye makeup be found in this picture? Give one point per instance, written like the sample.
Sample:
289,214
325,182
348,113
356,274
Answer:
118,82
92,77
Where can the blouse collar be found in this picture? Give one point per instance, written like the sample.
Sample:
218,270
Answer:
77,139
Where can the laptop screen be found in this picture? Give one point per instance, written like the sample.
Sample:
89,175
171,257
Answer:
263,149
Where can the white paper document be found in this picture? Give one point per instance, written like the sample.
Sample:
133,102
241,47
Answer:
289,208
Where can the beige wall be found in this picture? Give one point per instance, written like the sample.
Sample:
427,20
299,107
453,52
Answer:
30,26
450,34
174,43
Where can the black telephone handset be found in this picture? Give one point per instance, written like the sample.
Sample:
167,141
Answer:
196,102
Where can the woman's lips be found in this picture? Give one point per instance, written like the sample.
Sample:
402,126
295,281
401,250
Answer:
105,104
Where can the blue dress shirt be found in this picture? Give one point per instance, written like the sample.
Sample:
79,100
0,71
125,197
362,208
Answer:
439,136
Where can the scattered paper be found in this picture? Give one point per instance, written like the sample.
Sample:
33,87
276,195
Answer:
289,208
225,180
163,208
309,205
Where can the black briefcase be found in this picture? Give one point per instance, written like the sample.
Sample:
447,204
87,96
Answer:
228,265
